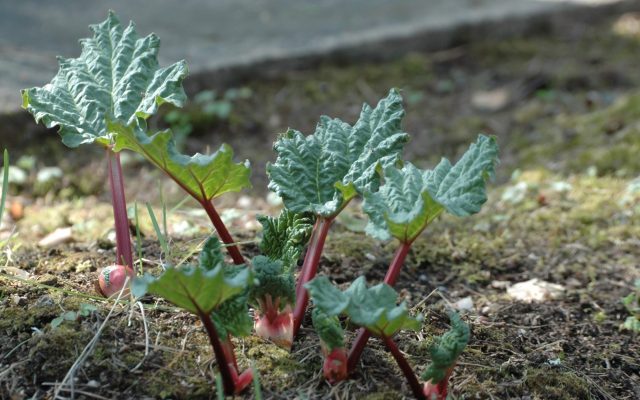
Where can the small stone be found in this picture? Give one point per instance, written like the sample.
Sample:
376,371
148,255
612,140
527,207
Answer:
48,174
500,284
464,304
93,384
535,290
47,279
59,236
244,202
18,300
491,100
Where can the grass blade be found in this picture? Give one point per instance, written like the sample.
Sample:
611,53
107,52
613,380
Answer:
5,183
156,227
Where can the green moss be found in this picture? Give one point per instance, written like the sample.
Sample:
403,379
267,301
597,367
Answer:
546,383
276,366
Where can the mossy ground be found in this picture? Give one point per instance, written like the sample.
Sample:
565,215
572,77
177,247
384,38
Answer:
563,210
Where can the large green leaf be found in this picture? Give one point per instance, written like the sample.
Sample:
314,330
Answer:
446,349
410,198
285,236
116,78
320,173
201,288
374,308
204,177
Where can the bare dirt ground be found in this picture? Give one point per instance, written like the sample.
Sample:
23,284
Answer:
565,209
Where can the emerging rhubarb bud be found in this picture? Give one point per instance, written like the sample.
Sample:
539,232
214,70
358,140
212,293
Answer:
331,335
273,295
111,279
274,324
444,356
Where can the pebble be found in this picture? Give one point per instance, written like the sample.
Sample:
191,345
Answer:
535,290
59,236
464,304
18,300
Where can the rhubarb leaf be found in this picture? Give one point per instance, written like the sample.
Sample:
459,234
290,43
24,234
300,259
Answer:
285,236
322,172
273,280
374,308
232,317
328,329
446,350
410,198
117,78
197,289
204,177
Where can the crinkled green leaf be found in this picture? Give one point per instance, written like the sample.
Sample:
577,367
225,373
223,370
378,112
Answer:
284,237
322,172
374,308
446,350
327,297
117,78
410,198
204,177
197,289
232,317
328,329
273,279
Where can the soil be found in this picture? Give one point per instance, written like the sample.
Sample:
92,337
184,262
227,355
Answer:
564,209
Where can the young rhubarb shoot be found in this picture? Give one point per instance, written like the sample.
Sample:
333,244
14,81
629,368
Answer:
444,355
331,336
283,240
322,172
375,309
206,291
116,81
203,177
411,199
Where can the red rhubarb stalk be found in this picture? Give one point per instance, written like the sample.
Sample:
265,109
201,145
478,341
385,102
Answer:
231,381
309,270
416,388
223,232
124,252
390,279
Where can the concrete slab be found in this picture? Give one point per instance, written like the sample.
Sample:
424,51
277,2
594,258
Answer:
225,35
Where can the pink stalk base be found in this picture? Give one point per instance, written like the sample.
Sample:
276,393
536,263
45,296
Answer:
124,251
274,325
232,382
334,368
309,270
390,279
112,279
438,391
224,234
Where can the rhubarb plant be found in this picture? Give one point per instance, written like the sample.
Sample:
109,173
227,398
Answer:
214,292
116,82
321,173
375,309
332,345
410,199
444,356
283,240
105,96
